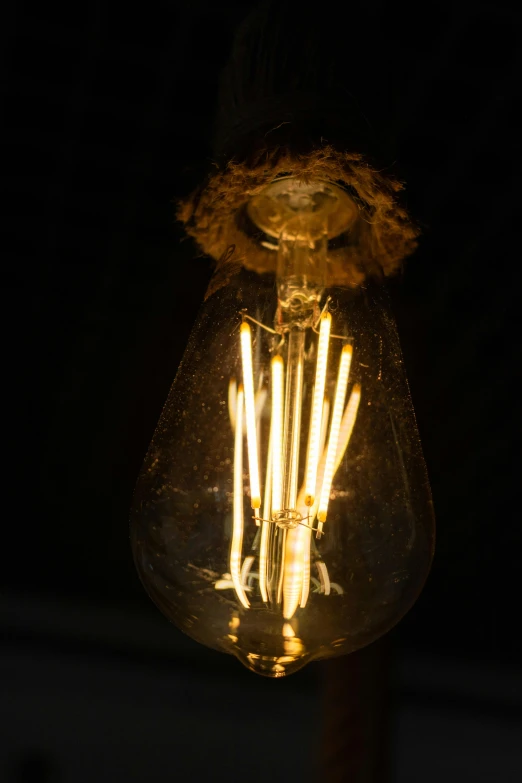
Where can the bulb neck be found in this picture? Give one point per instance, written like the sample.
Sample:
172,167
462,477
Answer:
299,218
301,277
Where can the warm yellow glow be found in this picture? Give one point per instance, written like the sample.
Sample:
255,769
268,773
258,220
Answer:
347,424
305,590
326,448
237,532
260,399
245,569
232,402
276,434
324,428
248,381
308,513
288,631
294,545
296,541
263,560
340,394
296,417
265,523
323,576
223,584
345,431
317,408
282,569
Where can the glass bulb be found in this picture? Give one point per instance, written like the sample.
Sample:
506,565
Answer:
283,513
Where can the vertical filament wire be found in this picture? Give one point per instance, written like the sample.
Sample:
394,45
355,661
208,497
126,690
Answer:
294,554
237,532
280,491
265,524
292,496
248,381
347,424
317,408
232,402
313,511
292,417
340,394
276,434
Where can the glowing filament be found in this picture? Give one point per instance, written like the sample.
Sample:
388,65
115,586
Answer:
276,434
237,532
248,380
327,444
265,524
325,579
311,512
294,560
324,425
340,394
245,569
306,571
347,423
232,402
317,408
291,498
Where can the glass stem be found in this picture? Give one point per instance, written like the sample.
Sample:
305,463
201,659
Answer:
292,416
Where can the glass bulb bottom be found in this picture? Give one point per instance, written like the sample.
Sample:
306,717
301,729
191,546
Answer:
269,666
265,643
273,656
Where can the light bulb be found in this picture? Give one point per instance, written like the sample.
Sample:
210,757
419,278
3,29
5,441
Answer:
283,513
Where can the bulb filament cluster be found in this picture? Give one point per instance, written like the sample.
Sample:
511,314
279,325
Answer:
287,509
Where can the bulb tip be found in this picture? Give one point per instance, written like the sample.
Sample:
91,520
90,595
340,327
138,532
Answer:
273,666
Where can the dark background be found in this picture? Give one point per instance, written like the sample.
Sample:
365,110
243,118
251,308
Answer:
107,115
